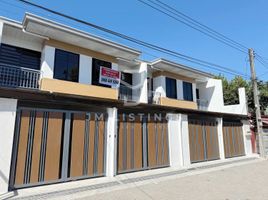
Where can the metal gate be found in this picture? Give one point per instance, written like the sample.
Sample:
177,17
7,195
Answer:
233,139
203,140
55,146
142,143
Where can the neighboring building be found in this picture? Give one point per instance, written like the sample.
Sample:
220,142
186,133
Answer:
60,99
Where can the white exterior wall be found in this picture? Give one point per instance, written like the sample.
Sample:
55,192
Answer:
143,90
1,31
85,69
220,138
174,136
111,142
247,137
159,85
47,62
185,141
194,92
179,89
8,109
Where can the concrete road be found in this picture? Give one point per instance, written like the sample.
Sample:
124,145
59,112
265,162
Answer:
243,182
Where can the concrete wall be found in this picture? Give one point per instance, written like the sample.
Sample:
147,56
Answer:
85,69
212,91
1,31
8,109
47,62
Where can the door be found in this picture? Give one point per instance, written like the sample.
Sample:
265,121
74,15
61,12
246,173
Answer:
56,146
203,140
233,139
142,143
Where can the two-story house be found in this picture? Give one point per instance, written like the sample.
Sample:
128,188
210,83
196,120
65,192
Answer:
76,106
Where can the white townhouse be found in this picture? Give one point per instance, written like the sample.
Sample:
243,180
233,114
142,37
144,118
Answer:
75,106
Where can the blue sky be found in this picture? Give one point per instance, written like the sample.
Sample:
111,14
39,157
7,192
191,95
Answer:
242,20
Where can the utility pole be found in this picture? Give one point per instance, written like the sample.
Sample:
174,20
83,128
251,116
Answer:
256,103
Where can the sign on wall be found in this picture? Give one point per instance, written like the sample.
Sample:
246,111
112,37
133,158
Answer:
109,77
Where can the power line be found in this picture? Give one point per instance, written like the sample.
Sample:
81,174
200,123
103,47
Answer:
202,25
142,43
195,26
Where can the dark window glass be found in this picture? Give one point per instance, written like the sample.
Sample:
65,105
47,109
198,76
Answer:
66,66
96,64
125,89
19,57
187,91
171,88
197,94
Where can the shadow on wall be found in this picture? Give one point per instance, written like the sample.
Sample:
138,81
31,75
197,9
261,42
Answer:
7,195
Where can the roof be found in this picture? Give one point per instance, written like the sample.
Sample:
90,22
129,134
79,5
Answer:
183,70
56,31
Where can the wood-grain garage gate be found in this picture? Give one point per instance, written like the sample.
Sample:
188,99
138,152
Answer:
56,146
233,139
203,140
142,144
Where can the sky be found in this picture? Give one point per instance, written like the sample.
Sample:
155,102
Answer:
241,20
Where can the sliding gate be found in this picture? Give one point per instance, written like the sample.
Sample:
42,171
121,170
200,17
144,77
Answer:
54,146
233,139
203,140
142,143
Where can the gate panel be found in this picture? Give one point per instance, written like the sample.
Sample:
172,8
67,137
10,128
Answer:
53,146
22,147
57,146
203,140
36,147
130,144
158,155
233,139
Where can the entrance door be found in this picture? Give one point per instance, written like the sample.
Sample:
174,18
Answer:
142,143
203,140
55,146
233,139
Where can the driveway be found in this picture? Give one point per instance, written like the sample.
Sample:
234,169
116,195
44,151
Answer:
247,181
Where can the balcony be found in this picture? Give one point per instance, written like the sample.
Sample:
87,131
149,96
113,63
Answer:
19,77
128,94
202,104
157,98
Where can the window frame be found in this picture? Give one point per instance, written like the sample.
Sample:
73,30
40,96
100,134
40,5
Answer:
187,87
171,88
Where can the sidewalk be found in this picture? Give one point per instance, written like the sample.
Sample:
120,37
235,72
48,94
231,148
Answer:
237,178
240,182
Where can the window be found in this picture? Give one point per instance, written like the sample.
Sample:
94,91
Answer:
197,94
171,88
125,89
66,66
96,64
187,91
19,57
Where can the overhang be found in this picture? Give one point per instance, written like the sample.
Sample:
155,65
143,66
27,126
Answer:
169,66
56,31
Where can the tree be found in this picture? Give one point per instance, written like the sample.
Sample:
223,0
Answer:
230,92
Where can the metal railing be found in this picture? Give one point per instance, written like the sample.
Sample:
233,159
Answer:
154,97
128,94
202,104
19,77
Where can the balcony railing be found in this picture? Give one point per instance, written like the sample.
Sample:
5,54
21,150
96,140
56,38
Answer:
202,104
19,77
128,94
154,97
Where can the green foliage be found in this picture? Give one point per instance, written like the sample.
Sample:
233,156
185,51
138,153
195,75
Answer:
230,92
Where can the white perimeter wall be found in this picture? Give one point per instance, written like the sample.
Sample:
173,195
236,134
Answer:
8,109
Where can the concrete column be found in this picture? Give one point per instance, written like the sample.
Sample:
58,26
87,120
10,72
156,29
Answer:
179,90
143,90
111,142
247,137
220,138
194,92
185,141
174,135
47,62
85,69
8,109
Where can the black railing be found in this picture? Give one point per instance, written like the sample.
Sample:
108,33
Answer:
19,77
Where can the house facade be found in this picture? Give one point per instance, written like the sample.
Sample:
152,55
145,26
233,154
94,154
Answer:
76,106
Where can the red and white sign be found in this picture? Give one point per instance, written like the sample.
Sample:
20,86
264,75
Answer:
109,77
